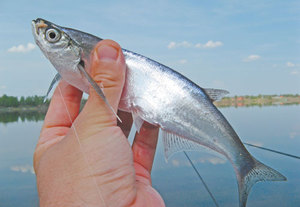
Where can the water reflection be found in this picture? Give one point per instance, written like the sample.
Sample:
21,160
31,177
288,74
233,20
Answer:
15,116
273,127
203,159
22,168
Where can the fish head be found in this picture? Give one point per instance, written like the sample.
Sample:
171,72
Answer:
62,51
57,46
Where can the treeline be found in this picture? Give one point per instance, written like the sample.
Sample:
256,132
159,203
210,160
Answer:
12,101
265,96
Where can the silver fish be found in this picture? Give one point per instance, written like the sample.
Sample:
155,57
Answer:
161,96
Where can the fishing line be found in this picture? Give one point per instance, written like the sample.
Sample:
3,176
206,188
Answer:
80,146
275,151
202,180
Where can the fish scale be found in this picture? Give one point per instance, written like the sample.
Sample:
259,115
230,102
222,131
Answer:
161,96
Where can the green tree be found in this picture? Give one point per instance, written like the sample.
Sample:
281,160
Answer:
9,101
22,101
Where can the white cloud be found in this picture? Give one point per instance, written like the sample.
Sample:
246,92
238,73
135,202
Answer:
182,61
209,44
294,134
252,58
22,169
175,163
216,160
210,159
212,44
2,87
213,160
290,64
186,44
295,72
22,48
172,45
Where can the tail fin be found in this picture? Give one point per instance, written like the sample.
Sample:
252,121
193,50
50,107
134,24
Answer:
259,172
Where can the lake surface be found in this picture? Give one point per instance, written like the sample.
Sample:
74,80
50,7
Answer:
275,127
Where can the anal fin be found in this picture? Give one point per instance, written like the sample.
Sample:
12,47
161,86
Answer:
174,143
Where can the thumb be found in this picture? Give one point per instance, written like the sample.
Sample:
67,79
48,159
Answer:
108,71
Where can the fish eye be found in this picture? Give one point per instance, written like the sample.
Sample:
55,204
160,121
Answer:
52,35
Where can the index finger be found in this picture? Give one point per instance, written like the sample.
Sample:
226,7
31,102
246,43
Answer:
64,106
63,109
144,146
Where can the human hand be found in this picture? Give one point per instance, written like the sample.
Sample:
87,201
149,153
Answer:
84,159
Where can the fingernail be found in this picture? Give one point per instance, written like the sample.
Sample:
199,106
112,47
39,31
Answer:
107,53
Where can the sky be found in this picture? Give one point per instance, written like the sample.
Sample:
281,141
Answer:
245,47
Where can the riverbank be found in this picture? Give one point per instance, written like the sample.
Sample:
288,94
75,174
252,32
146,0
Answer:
261,100
236,101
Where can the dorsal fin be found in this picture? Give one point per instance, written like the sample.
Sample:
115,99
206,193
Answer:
215,94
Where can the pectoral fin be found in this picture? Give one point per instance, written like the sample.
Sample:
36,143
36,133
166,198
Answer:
56,78
97,89
215,94
137,120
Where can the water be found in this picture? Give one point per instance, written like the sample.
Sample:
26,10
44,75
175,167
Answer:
275,127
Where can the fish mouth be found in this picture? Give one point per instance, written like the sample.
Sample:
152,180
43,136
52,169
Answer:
34,28
38,24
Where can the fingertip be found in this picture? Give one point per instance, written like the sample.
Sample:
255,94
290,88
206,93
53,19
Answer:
108,64
144,145
107,51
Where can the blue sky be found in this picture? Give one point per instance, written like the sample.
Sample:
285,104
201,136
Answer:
246,47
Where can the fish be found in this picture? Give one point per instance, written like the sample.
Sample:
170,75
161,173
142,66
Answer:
159,95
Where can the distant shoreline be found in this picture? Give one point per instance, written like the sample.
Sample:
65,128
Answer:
260,100
236,101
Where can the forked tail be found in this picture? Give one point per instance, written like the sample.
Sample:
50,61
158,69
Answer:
259,172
